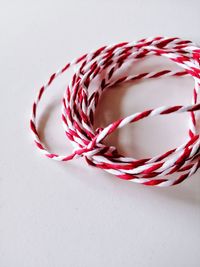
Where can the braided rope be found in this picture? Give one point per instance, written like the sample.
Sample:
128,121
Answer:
79,104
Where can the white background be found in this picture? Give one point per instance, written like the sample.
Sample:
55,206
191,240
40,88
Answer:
69,214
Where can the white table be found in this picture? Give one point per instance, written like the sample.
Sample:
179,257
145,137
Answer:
69,214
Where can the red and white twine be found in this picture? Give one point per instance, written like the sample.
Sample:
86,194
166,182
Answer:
79,104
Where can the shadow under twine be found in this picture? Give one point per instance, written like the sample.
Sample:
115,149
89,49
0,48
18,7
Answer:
106,113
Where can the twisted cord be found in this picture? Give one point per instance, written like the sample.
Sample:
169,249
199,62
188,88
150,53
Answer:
80,102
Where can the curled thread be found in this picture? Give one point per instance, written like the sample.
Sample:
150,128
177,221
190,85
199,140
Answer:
79,104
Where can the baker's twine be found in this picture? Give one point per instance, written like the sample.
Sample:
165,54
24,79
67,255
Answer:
80,102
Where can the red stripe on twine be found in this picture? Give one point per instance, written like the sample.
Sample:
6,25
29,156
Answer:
170,110
51,78
33,128
142,115
41,93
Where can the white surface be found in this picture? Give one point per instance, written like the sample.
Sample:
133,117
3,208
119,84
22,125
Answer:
56,215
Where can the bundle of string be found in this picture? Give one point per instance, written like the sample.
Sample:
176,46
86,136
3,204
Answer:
79,104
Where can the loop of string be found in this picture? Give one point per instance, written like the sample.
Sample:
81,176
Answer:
80,102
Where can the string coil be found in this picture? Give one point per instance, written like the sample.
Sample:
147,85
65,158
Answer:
79,105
